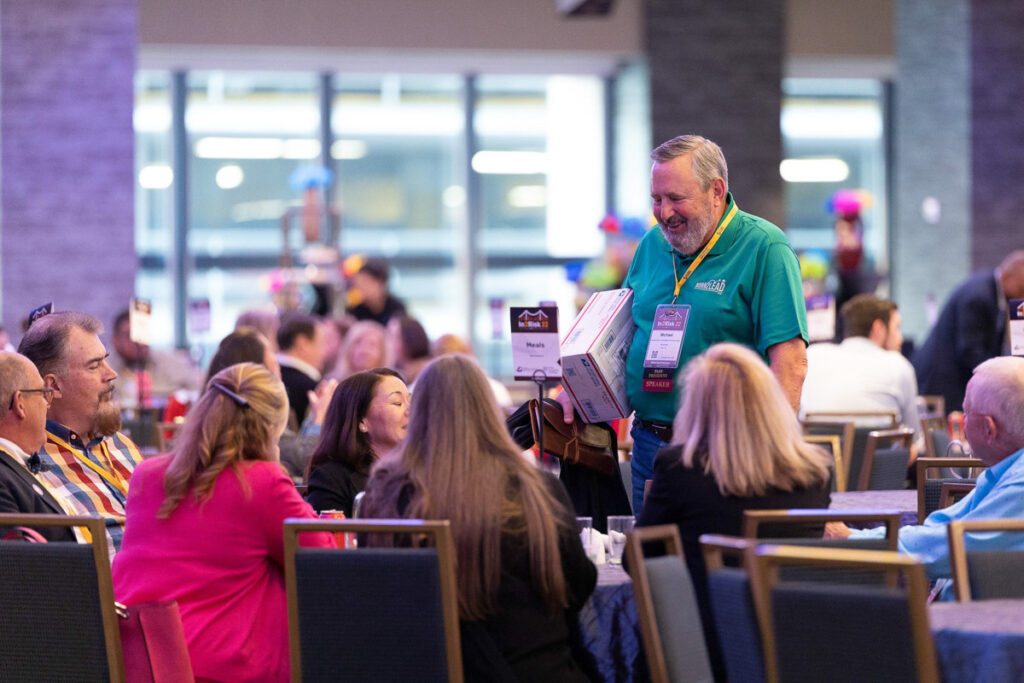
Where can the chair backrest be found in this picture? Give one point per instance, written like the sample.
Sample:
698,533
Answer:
758,523
57,618
929,489
835,447
882,417
986,574
935,429
886,456
932,404
730,596
843,633
854,455
667,606
146,433
373,614
845,430
754,520
952,493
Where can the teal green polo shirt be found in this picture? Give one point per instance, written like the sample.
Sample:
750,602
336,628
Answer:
747,290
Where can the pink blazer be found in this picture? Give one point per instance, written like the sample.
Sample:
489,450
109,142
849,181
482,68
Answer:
222,561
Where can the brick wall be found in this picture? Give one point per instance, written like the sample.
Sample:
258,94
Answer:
67,147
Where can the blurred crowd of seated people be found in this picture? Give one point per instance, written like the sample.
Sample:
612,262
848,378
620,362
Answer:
373,420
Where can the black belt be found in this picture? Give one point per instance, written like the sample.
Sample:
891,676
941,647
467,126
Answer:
659,429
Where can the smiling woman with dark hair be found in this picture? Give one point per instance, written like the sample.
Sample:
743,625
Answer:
367,417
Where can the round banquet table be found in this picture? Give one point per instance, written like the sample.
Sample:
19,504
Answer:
610,628
903,500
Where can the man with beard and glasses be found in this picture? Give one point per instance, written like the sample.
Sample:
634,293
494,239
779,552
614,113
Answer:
85,457
732,275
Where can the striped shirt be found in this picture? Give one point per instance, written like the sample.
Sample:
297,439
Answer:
93,475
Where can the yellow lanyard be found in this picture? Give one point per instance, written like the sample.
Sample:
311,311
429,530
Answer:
703,252
112,477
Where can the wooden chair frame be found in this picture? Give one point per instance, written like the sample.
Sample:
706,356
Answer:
764,574
835,445
753,519
439,530
902,436
845,444
653,647
930,423
892,415
925,464
714,548
98,531
958,549
934,404
953,492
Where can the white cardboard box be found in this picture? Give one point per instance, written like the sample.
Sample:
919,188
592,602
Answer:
594,356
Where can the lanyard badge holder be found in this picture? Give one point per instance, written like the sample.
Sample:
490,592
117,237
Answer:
665,345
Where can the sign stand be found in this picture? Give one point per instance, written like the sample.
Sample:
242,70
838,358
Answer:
539,378
535,352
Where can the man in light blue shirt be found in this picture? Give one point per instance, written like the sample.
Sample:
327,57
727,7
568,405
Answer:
994,426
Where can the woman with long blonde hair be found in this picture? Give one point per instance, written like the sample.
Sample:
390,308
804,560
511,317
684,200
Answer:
204,527
520,567
737,445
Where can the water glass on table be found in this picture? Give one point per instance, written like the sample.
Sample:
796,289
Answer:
585,527
619,526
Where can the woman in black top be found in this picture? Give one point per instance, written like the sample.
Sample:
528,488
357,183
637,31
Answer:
521,572
367,417
736,445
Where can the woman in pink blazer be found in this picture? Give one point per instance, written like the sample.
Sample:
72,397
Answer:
204,528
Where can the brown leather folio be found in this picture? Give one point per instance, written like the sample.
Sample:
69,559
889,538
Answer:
586,444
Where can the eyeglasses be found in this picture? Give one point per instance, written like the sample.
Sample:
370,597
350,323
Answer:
47,393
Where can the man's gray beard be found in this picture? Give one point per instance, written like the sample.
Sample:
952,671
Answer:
108,420
690,240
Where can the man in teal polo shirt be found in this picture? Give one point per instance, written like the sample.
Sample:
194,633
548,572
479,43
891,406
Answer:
735,272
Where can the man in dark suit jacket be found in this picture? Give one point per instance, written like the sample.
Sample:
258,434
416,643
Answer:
302,353
971,329
24,399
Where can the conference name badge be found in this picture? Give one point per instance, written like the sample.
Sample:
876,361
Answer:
665,346
1017,327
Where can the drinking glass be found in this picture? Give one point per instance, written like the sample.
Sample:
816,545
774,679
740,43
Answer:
619,526
585,526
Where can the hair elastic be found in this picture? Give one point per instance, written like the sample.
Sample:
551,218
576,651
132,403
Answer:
235,397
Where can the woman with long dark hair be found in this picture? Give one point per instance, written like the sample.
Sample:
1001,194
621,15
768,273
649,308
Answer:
366,418
521,571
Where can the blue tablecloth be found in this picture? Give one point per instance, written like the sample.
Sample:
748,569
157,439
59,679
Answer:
610,628
979,642
903,500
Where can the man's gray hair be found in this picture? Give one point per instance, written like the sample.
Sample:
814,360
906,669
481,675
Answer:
706,159
997,390
14,376
46,341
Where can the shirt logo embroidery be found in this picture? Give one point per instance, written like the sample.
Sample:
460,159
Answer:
716,286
